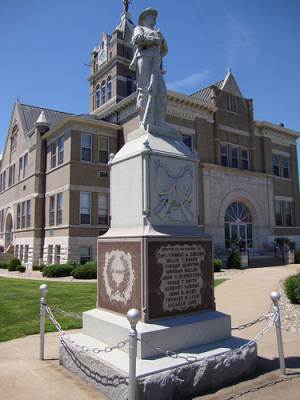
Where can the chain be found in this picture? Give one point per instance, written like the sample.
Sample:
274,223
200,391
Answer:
256,321
67,313
66,338
101,379
218,358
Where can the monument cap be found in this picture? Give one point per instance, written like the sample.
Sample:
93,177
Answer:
147,11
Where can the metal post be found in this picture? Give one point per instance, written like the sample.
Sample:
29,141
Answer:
43,291
133,317
275,296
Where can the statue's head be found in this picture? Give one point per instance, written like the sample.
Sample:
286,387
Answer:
148,17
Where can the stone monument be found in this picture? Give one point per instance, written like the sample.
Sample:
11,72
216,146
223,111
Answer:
155,257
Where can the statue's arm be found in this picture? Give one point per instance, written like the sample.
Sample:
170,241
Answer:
140,38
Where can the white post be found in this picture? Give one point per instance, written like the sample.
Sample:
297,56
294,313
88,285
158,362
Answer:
43,291
133,317
275,296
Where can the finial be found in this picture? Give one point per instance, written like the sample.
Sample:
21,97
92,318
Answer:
229,70
126,5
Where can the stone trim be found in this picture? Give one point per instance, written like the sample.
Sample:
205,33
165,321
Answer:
233,130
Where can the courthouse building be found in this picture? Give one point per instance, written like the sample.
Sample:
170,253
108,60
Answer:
54,176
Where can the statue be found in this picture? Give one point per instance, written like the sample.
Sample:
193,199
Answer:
126,5
151,47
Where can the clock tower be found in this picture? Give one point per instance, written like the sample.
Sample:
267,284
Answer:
110,79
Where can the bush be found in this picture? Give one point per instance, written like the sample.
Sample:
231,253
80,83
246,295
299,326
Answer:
3,265
86,271
57,270
21,268
292,288
37,267
74,264
217,264
14,264
297,256
234,261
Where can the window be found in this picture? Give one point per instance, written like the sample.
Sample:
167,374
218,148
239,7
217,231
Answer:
53,155
1,220
103,89
235,157
21,252
61,145
97,96
14,139
59,209
109,88
20,168
286,167
50,254
85,254
4,180
17,251
103,207
11,175
23,225
276,164
188,141
85,207
238,225
19,216
25,163
129,85
232,103
26,253
224,155
51,210
103,149
283,213
86,147
57,254
28,213
245,159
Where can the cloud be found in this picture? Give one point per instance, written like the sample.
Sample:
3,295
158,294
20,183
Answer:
189,81
240,43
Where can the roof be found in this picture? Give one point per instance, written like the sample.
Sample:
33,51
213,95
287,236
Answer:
32,113
205,94
126,26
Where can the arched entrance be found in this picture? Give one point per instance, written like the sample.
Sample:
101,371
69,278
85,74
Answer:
8,231
238,225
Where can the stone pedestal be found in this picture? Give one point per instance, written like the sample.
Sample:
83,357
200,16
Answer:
156,258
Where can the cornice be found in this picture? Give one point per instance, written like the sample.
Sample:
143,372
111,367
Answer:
277,129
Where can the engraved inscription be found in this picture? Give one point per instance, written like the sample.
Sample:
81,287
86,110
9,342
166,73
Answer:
182,278
118,275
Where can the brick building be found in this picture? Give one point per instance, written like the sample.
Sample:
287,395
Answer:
54,175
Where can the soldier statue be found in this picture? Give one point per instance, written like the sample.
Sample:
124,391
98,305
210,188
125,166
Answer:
151,47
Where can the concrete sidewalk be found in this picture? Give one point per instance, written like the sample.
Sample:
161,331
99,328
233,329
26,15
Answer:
244,295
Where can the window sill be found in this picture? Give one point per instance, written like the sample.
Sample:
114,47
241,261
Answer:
281,177
233,112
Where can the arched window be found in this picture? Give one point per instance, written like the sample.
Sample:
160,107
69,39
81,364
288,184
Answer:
97,96
129,85
103,89
109,88
238,225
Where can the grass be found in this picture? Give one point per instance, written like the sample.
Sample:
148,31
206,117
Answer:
218,282
19,305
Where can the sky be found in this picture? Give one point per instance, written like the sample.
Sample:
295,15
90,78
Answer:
46,44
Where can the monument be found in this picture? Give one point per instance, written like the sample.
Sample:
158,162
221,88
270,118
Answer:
155,256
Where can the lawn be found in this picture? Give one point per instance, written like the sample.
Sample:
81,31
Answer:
19,305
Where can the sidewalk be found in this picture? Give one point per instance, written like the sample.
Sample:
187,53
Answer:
244,295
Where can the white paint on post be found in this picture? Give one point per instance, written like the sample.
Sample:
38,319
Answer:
133,317
43,291
275,296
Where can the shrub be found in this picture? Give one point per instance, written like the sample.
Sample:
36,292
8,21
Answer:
57,270
292,288
3,265
37,267
217,264
234,260
21,268
297,256
74,264
86,271
14,264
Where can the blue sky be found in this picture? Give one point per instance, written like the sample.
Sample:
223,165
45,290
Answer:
45,44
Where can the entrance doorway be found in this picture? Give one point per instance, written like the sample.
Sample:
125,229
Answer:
238,226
